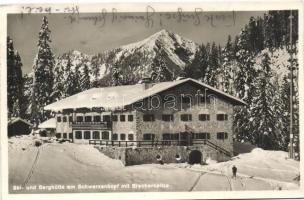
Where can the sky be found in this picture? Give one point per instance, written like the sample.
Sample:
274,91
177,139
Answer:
96,32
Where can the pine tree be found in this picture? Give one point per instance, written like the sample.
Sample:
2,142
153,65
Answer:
15,83
160,71
85,77
213,66
43,73
95,70
197,68
283,113
244,85
71,82
27,91
58,87
226,67
263,114
116,76
11,75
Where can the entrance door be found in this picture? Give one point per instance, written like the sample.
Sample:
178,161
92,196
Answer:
195,157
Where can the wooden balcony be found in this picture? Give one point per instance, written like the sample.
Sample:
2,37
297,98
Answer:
91,125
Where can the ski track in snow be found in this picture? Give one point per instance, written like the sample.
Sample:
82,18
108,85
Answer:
31,172
196,181
229,182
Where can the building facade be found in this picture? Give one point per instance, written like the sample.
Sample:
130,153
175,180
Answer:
180,113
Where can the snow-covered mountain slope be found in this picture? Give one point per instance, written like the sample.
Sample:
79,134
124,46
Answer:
278,60
136,58
164,40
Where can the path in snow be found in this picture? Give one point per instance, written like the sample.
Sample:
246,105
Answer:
71,164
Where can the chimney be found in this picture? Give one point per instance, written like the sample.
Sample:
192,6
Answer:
146,83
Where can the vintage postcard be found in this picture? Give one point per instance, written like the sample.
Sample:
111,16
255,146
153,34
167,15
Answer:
152,100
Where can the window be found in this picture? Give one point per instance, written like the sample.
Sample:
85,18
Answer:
79,118
122,118
167,118
170,136
166,136
58,119
122,136
70,118
222,117
64,119
64,135
130,118
70,135
105,135
184,136
87,135
204,117
96,135
114,118
106,118
174,136
186,117
222,135
115,136
148,118
78,135
148,136
186,99
88,118
131,137
96,118
58,135
202,136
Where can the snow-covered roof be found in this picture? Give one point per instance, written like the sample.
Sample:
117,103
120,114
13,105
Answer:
17,119
50,123
119,96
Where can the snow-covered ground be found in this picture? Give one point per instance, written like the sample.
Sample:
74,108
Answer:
272,167
54,164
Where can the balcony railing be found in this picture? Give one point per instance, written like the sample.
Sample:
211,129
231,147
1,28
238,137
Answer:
91,125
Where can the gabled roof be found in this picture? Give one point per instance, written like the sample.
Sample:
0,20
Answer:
17,119
50,123
119,96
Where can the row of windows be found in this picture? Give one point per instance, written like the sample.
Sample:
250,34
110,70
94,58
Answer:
122,136
146,118
64,135
175,136
185,117
96,118
147,136
65,118
105,135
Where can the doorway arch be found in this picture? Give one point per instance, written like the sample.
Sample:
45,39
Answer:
195,157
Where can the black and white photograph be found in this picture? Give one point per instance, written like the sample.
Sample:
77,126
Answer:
184,100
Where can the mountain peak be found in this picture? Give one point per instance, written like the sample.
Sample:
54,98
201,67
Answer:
163,38
163,32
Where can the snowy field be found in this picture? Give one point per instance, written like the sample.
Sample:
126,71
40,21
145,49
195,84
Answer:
67,167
